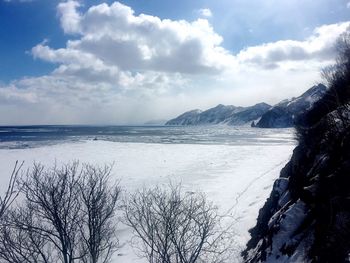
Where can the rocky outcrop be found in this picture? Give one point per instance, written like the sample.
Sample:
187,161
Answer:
283,114
307,216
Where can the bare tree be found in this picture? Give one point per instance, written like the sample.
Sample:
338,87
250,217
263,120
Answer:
148,212
337,78
334,103
67,215
171,226
339,71
52,197
11,193
99,203
22,240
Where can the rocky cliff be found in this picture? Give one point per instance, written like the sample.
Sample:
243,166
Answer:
307,216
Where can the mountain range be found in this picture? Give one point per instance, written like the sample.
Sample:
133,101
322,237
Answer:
260,115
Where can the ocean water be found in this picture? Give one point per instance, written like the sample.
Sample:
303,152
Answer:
36,136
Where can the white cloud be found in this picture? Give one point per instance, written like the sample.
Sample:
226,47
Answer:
118,37
69,16
348,5
319,47
206,12
112,39
120,67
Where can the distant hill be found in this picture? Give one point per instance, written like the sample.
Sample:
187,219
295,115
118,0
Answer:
187,118
260,115
221,114
282,115
155,122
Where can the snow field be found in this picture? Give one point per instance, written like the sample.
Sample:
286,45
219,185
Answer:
237,178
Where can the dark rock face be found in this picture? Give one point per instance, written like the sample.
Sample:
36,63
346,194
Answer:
284,113
221,114
307,216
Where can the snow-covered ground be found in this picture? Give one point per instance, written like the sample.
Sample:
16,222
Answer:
238,178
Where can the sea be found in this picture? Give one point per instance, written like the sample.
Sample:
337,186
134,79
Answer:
14,137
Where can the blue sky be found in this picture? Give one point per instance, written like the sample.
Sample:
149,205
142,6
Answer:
183,54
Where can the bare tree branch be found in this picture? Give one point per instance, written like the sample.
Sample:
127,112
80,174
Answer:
175,227
11,192
67,215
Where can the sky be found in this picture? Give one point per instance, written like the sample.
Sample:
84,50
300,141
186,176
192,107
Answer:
128,62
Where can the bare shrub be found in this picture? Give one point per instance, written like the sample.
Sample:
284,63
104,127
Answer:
23,241
67,215
171,226
52,196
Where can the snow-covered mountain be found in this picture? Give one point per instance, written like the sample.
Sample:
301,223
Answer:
221,114
187,118
261,115
282,115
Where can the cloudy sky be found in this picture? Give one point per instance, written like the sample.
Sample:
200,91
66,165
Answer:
126,62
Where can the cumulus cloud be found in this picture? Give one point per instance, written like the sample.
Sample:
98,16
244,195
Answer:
113,41
206,12
118,37
318,47
348,5
122,67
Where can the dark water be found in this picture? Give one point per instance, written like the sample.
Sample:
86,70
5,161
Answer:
36,136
